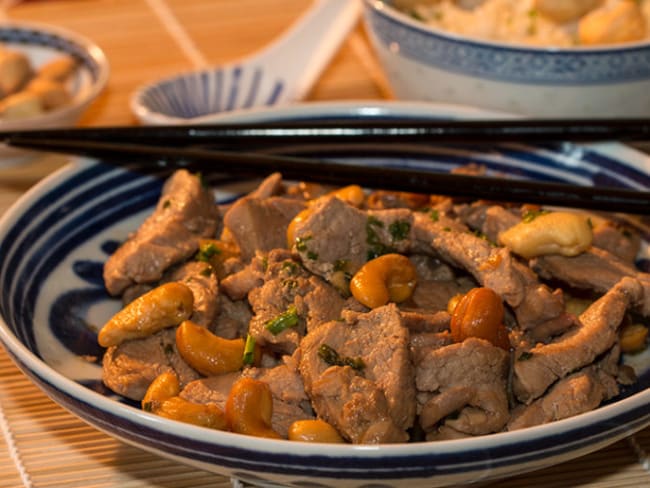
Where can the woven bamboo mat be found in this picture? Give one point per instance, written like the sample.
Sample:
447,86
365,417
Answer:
44,446
41,444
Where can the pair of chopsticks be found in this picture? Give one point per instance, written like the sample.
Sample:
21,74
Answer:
262,148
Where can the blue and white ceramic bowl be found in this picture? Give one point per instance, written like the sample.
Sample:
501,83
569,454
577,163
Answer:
425,63
53,243
42,43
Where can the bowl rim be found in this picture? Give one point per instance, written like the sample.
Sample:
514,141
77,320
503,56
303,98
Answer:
94,51
27,359
384,7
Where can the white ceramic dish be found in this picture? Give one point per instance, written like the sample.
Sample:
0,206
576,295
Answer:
53,243
42,43
280,73
425,63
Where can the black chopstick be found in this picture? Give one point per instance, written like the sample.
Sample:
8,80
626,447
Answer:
382,131
338,173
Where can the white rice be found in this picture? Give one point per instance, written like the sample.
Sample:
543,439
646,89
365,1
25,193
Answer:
514,21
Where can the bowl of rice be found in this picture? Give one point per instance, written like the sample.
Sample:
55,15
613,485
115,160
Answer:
536,58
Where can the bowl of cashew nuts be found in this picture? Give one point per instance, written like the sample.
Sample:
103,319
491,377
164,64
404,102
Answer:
48,75
536,58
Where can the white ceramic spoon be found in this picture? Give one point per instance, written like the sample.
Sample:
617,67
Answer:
280,73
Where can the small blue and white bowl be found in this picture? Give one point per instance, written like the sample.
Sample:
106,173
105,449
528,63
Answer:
42,43
426,63
54,241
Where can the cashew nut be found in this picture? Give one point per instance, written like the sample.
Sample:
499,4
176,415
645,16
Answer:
201,414
613,23
314,431
164,387
52,93
15,70
391,277
563,233
207,353
565,11
58,69
633,338
21,105
291,228
479,313
249,408
352,194
165,306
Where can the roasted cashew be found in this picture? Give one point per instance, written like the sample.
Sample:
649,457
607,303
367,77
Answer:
563,10
51,93
479,313
21,105
314,431
249,408
633,337
58,69
622,21
563,233
391,277
352,194
165,306
291,228
207,353
15,70
201,414
164,387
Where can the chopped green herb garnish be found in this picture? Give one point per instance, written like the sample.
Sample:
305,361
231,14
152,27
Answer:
249,350
289,284
207,271
168,349
207,251
341,265
290,267
285,320
531,215
525,356
376,248
312,255
399,230
301,243
331,357
147,407
434,215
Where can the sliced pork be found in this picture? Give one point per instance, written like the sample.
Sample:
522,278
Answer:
363,381
129,369
186,212
534,304
595,269
260,224
292,298
537,369
467,384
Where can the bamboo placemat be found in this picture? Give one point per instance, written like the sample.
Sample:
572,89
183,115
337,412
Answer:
44,446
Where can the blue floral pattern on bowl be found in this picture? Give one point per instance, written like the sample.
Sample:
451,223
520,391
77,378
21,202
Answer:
512,63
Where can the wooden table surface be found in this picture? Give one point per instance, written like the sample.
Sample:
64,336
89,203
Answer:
44,446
